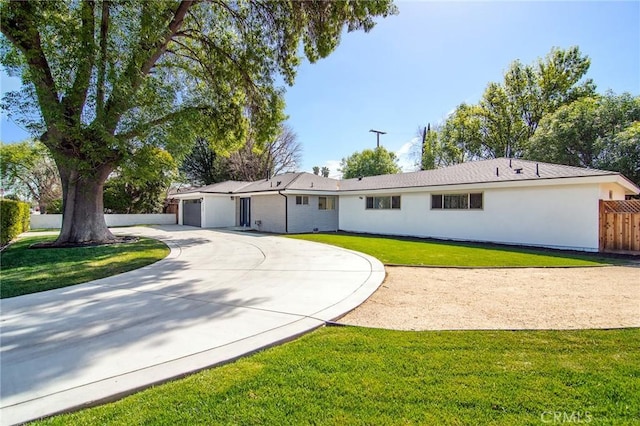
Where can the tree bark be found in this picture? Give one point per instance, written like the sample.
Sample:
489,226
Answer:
83,209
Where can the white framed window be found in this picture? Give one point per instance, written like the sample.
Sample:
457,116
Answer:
468,201
302,200
383,203
326,203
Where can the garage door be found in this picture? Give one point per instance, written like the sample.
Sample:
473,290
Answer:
191,213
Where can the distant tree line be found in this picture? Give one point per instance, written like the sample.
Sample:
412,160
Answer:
205,165
141,183
547,111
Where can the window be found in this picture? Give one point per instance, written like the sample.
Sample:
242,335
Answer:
326,203
475,201
302,200
383,203
457,201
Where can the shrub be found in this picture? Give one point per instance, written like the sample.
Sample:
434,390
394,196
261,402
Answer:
14,219
55,206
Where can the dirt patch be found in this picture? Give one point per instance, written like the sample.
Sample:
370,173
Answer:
511,299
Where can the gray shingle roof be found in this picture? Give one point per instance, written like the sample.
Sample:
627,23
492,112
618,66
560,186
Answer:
484,171
219,188
292,181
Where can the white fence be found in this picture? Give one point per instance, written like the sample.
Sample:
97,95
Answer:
54,221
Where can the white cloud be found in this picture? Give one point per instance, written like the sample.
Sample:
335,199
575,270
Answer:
333,166
407,155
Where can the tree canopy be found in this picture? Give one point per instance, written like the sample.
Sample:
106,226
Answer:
595,131
204,166
141,183
369,162
509,112
104,79
548,111
27,170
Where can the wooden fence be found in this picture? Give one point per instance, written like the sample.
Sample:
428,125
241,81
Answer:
620,226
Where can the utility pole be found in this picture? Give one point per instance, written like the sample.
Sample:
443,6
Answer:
378,133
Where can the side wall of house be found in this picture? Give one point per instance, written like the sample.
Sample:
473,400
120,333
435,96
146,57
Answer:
562,216
268,213
610,191
307,217
219,211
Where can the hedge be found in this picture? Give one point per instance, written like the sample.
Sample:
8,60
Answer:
14,219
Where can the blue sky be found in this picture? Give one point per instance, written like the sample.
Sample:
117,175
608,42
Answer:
416,67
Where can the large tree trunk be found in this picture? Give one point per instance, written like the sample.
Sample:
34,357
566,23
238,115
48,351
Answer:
83,210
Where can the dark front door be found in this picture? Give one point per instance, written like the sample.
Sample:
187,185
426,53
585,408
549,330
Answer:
245,211
191,212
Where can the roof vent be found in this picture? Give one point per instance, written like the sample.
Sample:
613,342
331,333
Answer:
537,170
518,171
312,184
360,177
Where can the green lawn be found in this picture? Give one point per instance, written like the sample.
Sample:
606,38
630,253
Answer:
404,251
349,375
27,270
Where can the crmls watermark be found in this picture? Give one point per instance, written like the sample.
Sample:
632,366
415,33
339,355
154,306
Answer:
563,417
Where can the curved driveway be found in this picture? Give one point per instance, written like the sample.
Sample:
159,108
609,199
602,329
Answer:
218,295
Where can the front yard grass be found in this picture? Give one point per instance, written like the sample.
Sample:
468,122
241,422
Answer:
407,251
350,375
27,270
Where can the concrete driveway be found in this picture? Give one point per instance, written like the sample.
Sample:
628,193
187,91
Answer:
218,296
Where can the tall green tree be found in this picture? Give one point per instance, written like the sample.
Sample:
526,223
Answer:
595,131
104,79
203,166
27,169
141,183
509,112
369,162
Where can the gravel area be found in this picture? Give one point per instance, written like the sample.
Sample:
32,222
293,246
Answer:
477,299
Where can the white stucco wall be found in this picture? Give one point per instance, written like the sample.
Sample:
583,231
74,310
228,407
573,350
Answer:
268,213
563,216
610,191
54,221
306,218
218,211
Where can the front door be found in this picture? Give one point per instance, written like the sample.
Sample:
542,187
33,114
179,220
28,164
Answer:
245,211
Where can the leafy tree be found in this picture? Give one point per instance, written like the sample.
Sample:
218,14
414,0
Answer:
316,170
140,185
568,136
623,154
27,169
202,166
596,131
325,171
509,113
369,162
104,79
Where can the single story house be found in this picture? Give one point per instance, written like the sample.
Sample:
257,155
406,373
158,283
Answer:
501,200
